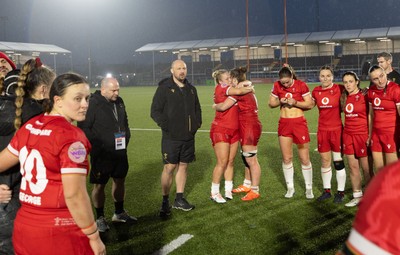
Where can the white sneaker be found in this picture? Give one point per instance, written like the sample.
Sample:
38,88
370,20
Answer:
228,195
309,194
289,193
355,201
217,198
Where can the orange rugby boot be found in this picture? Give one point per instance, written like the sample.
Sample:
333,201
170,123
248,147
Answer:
241,189
250,196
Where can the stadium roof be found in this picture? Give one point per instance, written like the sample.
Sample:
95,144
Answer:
340,35
17,47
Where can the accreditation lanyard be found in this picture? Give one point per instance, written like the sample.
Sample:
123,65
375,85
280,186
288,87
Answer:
120,138
115,112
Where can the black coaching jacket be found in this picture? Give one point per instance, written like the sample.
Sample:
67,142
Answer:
176,110
101,125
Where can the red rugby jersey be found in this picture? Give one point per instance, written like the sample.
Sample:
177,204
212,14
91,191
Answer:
356,114
328,103
384,103
230,117
48,146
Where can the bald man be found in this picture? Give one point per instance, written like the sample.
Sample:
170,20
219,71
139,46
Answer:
106,127
176,110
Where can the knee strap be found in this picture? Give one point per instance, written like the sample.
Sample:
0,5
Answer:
249,154
339,165
244,161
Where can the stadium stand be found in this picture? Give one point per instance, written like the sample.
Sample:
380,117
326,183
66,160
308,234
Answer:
344,50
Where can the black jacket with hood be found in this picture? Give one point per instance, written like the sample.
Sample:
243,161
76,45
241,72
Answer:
176,110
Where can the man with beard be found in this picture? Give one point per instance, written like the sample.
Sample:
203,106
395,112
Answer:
6,65
176,110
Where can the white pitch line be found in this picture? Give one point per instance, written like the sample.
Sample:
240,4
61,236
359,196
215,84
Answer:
175,244
200,130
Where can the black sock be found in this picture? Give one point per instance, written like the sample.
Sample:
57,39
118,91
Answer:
99,212
165,199
119,207
179,196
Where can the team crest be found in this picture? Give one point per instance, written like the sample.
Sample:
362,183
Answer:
173,90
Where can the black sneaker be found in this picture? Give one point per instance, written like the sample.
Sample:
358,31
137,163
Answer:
102,224
338,198
183,204
326,195
165,210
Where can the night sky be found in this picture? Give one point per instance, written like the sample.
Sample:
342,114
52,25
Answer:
114,29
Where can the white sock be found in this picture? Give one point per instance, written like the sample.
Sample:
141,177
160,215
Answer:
326,173
357,194
288,172
228,186
255,189
214,188
341,179
307,174
247,183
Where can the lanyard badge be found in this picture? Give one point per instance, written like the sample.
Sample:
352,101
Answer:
120,141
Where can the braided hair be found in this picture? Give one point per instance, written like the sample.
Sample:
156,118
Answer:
33,75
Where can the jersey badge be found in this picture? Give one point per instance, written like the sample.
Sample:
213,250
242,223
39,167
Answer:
288,95
77,152
349,108
325,101
377,101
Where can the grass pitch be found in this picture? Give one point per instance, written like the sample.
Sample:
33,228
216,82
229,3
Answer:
269,225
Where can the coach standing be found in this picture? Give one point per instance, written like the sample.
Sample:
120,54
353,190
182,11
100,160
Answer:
106,127
176,110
